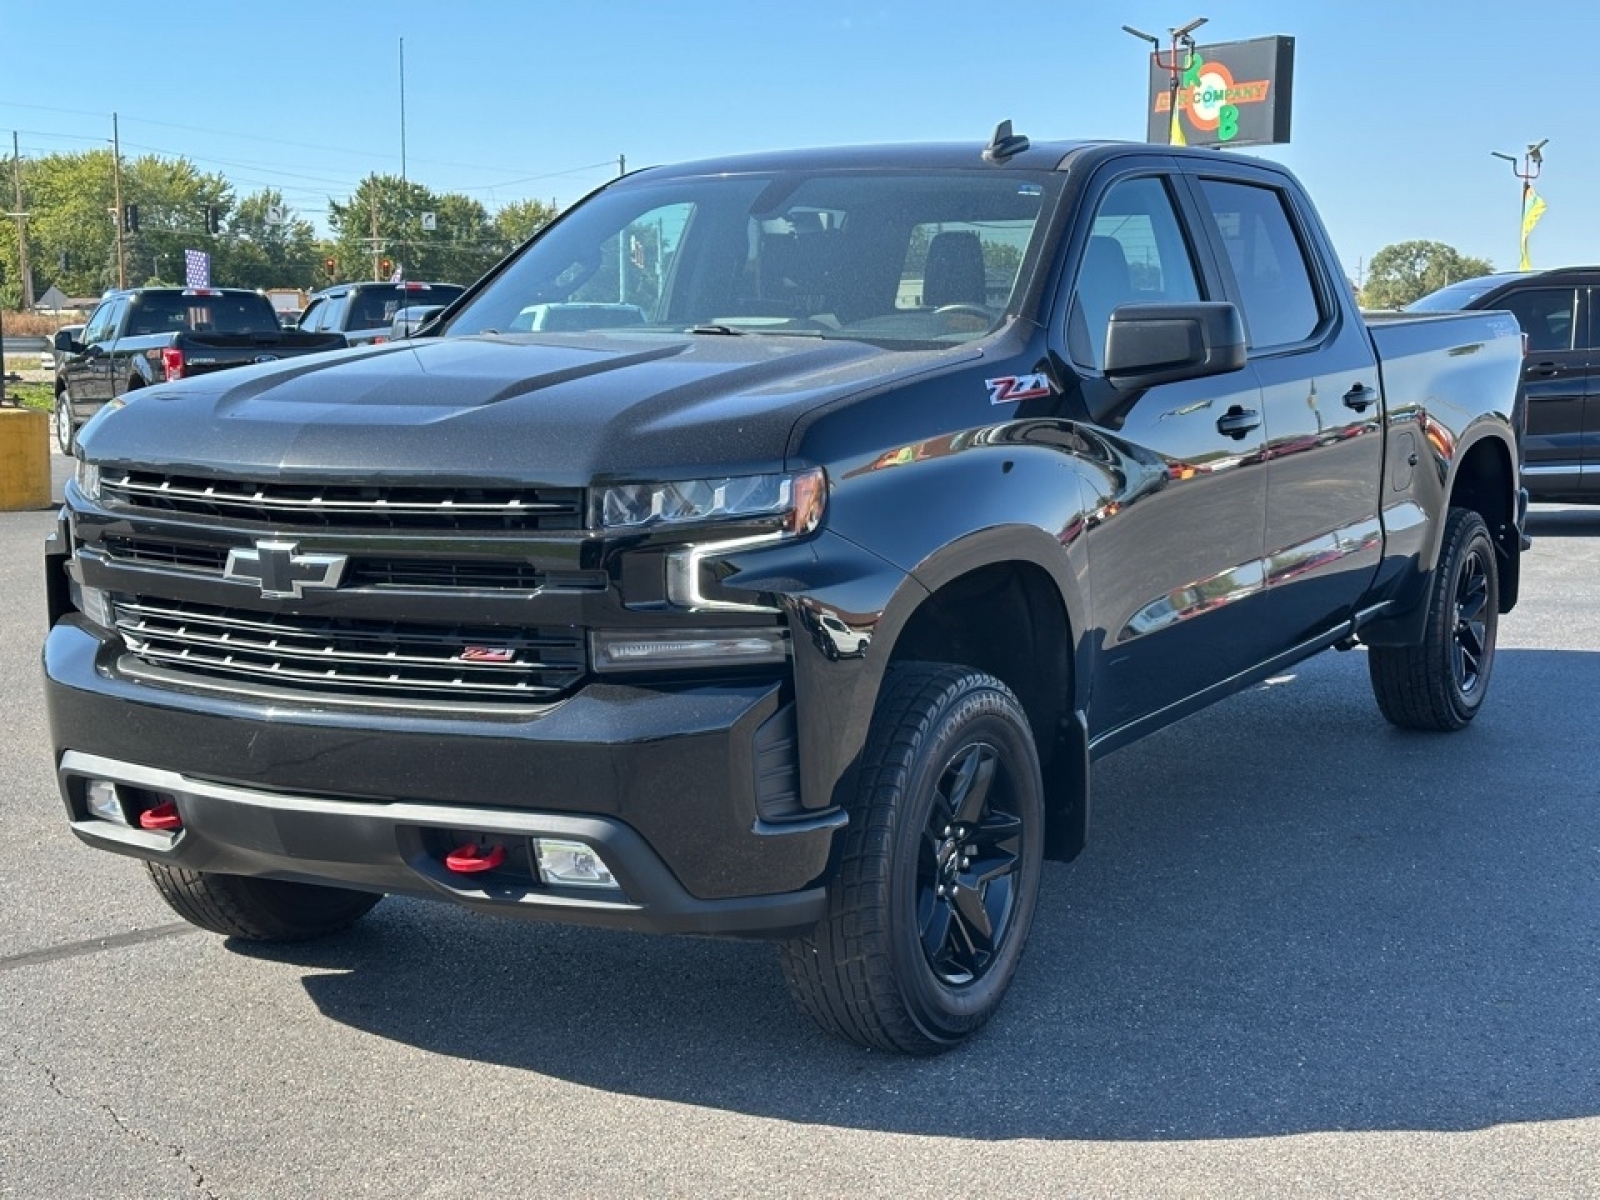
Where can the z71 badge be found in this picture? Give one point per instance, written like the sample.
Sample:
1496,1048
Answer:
1010,388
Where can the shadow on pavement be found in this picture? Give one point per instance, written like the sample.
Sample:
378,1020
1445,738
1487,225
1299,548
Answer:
1291,918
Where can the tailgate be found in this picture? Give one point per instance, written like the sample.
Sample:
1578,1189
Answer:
207,352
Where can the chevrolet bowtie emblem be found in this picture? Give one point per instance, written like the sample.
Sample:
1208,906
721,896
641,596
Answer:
279,571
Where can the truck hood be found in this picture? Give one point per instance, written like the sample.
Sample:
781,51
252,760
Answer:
562,410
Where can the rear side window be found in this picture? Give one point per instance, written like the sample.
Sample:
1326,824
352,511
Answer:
1269,263
1546,316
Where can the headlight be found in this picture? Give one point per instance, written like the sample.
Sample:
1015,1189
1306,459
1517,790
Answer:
87,477
799,499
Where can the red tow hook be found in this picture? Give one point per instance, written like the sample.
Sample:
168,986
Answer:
472,858
162,816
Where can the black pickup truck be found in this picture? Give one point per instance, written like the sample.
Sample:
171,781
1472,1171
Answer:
141,336
798,607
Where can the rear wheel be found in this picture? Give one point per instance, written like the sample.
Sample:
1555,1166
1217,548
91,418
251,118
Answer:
259,910
931,906
1440,684
65,422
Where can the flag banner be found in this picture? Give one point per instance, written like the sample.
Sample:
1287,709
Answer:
1532,210
196,268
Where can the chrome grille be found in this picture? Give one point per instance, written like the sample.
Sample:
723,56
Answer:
353,658
348,506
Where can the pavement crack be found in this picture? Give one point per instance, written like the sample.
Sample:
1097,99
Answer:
122,1125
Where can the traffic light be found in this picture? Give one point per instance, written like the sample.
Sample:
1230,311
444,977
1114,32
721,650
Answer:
385,267
130,218
213,219
330,266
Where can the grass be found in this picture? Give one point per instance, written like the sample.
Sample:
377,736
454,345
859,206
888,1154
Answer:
31,395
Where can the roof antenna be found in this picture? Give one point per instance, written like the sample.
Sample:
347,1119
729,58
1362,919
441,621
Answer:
1004,144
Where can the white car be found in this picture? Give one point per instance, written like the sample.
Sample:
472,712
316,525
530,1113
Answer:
47,356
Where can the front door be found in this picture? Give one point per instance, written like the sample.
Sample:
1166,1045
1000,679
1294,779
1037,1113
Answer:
1176,536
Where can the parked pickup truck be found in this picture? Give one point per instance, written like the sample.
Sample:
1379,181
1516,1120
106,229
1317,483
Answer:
800,609
154,335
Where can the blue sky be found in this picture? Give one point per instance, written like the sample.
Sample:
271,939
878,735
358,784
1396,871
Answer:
1397,105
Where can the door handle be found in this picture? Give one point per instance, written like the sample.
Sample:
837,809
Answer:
1545,370
1237,422
1360,397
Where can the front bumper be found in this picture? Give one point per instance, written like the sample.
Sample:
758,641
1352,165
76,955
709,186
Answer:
663,782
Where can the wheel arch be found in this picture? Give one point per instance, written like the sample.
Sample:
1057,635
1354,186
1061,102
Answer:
1004,602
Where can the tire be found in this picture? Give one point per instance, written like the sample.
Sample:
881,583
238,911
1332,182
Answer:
1440,684
65,422
259,910
901,960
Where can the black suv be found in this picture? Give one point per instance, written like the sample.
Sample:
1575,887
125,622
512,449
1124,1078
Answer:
364,312
1561,373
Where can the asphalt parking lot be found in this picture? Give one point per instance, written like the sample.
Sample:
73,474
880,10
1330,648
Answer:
1305,955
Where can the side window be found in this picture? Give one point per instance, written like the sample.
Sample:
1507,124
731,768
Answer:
333,312
99,327
1136,254
1275,281
1546,316
311,319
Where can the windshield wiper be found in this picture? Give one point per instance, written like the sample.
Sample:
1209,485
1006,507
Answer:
724,330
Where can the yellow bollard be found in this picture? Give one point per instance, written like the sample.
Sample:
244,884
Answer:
24,459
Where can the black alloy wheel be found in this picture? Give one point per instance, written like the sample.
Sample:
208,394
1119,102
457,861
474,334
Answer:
972,846
1440,683
929,909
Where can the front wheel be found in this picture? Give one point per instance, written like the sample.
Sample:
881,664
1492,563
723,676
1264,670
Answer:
65,422
259,910
1441,683
939,873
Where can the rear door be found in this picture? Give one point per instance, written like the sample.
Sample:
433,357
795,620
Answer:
1555,376
1590,339
1319,388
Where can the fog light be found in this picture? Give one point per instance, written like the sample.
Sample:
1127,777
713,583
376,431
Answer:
571,864
105,803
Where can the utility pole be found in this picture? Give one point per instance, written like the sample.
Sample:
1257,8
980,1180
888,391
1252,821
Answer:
402,110
22,228
116,176
374,230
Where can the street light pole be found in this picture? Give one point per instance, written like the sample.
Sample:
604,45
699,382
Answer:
1532,165
1182,36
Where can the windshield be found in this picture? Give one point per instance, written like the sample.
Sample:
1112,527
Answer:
1456,296
892,257
374,306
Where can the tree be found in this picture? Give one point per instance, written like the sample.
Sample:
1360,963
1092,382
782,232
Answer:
384,218
1407,271
521,219
258,253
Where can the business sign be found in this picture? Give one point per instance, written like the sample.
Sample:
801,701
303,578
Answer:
1229,94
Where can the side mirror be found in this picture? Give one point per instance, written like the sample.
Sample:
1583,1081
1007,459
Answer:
62,343
1147,344
408,320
